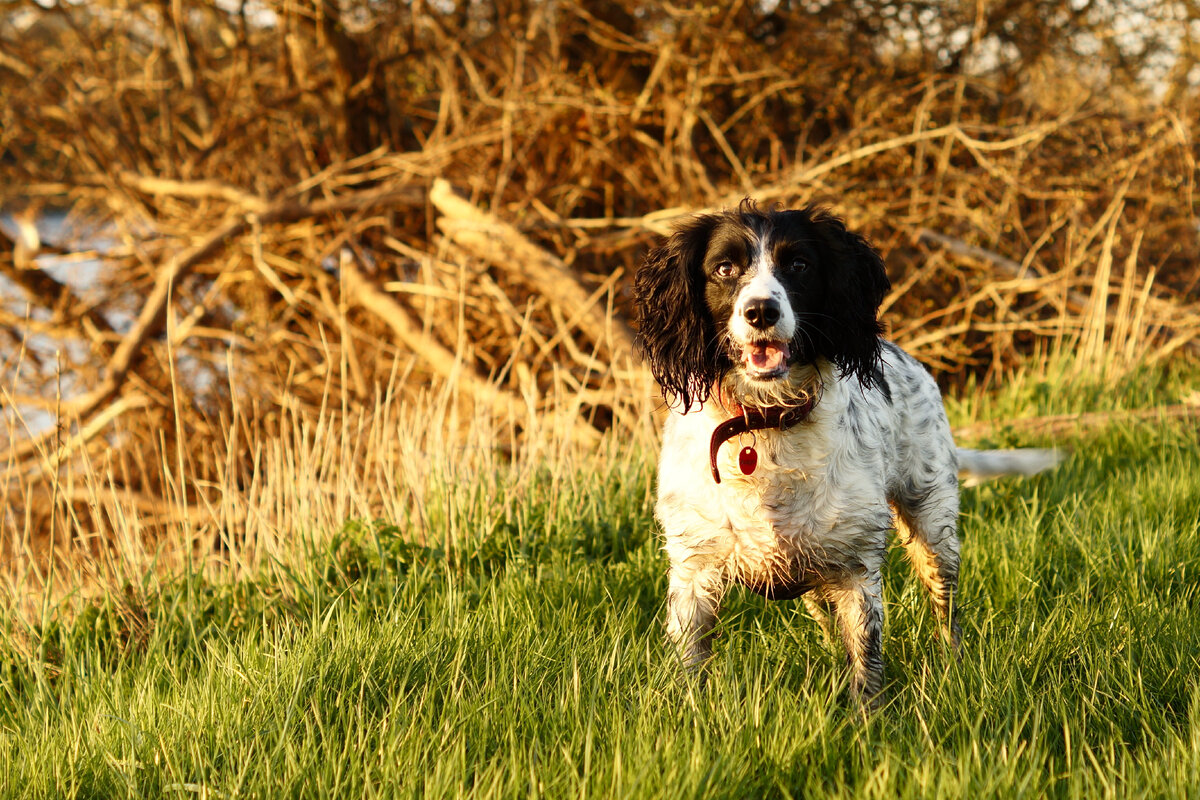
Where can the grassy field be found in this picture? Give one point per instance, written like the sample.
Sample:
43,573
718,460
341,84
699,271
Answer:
519,652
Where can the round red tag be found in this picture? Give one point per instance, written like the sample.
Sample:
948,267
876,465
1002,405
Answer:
748,460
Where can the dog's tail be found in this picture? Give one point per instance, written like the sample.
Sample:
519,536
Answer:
977,466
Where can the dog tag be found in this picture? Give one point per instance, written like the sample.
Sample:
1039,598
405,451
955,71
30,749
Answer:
748,460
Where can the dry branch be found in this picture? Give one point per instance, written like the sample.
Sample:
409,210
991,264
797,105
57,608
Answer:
440,360
95,426
152,317
147,184
500,244
1077,302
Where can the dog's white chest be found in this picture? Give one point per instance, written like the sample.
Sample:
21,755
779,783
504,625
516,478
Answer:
782,521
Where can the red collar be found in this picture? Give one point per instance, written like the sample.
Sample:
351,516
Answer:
755,419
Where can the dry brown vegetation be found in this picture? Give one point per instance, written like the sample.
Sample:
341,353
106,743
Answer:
311,213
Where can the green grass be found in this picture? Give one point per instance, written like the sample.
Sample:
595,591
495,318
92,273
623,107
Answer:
524,656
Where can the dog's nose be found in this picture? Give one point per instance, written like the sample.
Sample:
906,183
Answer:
762,312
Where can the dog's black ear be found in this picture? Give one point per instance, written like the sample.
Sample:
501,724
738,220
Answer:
676,332
856,283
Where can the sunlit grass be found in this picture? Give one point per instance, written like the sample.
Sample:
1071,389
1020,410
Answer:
504,639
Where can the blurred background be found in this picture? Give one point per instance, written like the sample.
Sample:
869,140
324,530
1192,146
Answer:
263,263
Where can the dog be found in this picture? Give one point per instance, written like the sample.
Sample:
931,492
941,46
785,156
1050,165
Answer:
797,436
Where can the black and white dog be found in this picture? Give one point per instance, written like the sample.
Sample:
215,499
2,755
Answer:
796,430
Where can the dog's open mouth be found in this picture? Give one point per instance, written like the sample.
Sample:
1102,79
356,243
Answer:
766,360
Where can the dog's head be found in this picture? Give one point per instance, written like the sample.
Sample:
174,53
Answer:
758,297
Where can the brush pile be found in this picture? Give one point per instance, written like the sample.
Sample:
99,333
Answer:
274,207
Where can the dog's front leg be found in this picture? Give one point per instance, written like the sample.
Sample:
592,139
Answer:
693,595
858,604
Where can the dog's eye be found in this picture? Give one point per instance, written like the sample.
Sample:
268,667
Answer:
798,265
725,269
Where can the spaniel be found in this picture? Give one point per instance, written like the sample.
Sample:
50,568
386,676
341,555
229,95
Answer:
797,437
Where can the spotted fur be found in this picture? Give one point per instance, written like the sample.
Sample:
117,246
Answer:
753,308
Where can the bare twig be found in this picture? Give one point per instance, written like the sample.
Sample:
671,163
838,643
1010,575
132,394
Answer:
499,243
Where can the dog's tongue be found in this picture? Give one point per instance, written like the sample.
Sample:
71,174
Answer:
767,356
